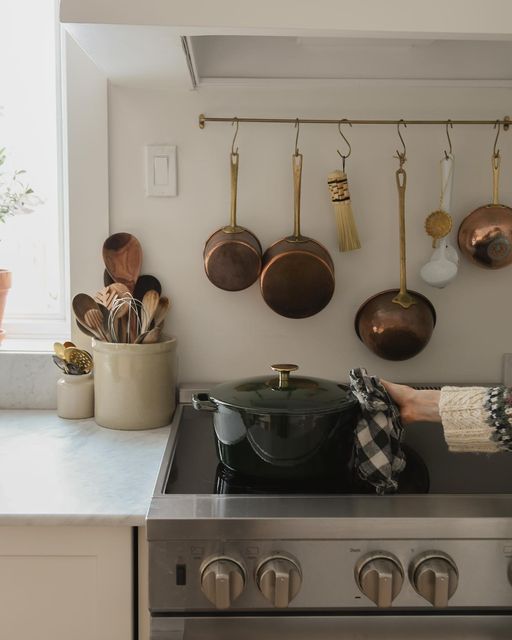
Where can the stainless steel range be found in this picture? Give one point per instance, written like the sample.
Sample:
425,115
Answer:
229,559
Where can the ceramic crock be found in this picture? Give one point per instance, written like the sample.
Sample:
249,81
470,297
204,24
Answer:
134,384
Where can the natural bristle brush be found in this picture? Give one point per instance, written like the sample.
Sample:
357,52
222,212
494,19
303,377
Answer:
348,237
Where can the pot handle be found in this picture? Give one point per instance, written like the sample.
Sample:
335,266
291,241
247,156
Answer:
202,402
496,161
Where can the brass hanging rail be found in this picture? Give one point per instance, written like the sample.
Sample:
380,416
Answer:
505,122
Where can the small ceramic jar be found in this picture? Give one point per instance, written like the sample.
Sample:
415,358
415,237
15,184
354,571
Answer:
75,396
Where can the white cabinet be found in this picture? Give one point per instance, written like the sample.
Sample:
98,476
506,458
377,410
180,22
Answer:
66,582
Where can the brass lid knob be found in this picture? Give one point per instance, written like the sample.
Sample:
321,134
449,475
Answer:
283,371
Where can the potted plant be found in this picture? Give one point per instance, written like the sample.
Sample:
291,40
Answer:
16,198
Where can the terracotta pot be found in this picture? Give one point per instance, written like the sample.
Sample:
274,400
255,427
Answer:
5,285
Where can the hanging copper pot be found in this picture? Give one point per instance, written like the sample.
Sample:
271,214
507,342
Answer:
232,255
485,235
397,324
297,277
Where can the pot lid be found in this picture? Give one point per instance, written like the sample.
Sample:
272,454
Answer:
284,394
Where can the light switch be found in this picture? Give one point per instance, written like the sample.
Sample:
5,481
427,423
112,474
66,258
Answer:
161,170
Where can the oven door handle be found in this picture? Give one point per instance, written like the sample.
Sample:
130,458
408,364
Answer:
470,626
167,629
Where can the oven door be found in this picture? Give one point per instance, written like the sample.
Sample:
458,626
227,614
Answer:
348,627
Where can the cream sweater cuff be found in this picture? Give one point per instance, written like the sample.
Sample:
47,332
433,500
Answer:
464,418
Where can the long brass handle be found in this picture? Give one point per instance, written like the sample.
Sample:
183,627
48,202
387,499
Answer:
496,161
401,182
403,298
233,162
297,176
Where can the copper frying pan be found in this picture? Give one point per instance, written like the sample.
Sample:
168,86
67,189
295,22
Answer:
485,235
297,277
232,255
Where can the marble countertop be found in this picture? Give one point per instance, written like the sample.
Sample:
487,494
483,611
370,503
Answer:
55,471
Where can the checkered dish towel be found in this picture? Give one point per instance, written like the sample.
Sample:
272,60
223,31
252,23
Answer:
379,458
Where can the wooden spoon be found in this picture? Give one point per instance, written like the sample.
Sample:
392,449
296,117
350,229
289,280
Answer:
107,278
86,330
144,284
149,307
161,311
89,314
122,255
149,337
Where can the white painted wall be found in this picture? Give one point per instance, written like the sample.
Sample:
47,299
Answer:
86,171
228,335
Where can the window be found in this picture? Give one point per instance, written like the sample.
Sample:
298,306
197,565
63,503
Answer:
32,246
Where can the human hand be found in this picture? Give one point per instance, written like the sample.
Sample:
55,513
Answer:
414,405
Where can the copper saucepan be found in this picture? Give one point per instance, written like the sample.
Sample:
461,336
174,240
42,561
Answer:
485,235
232,255
394,324
297,277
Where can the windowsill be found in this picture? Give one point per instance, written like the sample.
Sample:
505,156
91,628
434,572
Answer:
26,345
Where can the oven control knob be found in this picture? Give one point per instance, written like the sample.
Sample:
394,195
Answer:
435,577
379,575
279,579
222,581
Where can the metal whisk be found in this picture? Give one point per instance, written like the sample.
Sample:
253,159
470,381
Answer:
126,319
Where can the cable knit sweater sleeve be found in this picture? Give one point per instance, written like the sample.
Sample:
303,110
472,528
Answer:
477,419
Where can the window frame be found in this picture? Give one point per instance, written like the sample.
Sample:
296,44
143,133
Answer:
58,325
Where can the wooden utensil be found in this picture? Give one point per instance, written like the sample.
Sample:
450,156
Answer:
122,254
107,278
297,279
93,318
86,330
152,336
161,311
149,307
109,294
144,284
89,314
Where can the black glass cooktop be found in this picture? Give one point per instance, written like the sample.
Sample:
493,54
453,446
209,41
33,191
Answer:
196,469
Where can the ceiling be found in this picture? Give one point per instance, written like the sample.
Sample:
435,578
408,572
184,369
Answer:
145,56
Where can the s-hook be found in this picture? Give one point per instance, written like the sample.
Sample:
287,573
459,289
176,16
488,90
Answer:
233,150
344,157
401,155
449,123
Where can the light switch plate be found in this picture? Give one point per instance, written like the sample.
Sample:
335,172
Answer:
161,170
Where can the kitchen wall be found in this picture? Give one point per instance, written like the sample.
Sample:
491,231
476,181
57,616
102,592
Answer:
228,335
